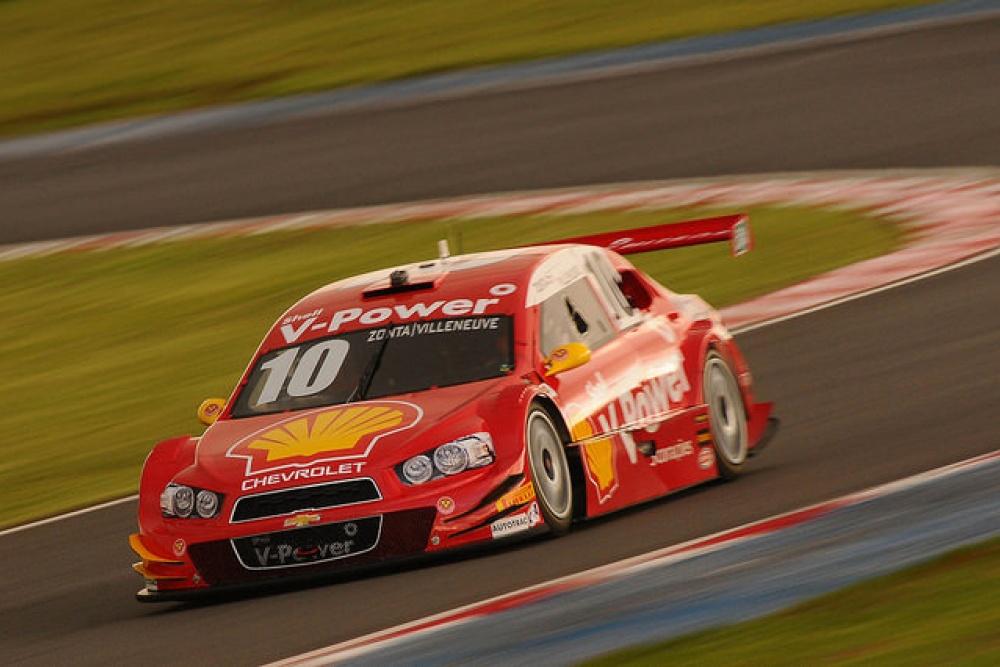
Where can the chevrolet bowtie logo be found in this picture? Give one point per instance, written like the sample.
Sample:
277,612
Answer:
301,520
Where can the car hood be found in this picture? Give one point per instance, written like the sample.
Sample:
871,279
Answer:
338,440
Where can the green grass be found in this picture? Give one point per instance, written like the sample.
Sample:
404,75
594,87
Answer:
942,613
71,62
105,353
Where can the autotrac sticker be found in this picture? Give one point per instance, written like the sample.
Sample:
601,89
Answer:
294,327
323,442
517,523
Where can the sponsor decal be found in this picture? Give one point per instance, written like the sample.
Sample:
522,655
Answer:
741,240
179,547
682,450
516,497
434,327
301,520
307,546
600,459
555,273
706,458
663,328
597,387
317,472
516,524
331,434
644,407
445,505
295,326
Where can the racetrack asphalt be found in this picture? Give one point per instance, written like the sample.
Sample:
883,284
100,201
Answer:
922,98
869,391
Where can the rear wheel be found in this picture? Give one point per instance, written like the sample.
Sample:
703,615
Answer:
726,415
549,471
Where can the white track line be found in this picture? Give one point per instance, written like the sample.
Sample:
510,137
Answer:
359,646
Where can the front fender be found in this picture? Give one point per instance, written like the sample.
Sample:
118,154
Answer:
163,463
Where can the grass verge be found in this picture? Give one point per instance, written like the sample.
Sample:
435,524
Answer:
105,353
940,613
71,62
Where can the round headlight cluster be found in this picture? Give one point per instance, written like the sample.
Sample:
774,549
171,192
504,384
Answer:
451,458
418,470
178,500
183,501
207,504
472,451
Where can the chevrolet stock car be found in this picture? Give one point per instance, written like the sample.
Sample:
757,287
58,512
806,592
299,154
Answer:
456,401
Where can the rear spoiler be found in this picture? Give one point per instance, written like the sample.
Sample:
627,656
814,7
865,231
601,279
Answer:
732,228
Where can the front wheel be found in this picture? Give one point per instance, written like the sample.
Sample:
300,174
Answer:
549,471
726,415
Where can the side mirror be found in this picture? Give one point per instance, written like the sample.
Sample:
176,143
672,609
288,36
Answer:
210,410
566,357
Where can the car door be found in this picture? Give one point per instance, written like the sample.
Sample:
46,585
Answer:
618,402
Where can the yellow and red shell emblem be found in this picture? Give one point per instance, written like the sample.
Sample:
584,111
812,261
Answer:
341,432
599,457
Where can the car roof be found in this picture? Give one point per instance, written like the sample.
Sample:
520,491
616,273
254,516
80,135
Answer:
498,282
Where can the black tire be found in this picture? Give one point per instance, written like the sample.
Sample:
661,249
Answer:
550,472
727,416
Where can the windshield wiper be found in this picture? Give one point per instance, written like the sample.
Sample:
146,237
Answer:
364,382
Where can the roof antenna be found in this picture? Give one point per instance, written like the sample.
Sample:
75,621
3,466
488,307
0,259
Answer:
443,252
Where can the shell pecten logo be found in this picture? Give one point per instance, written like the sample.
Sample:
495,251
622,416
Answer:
599,455
342,432
332,431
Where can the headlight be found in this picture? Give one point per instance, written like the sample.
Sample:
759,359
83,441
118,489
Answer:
183,501
451,458
178,500
418,470
207,504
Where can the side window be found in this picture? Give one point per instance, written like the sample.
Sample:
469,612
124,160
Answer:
636,293
574,314
607,278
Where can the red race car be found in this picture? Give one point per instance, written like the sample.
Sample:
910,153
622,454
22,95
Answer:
455,401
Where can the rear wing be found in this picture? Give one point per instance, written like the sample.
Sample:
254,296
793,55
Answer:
732,228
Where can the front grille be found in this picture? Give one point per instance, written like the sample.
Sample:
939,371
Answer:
305,498
401,534
306,546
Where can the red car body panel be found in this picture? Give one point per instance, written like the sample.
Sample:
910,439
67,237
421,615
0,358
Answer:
633,419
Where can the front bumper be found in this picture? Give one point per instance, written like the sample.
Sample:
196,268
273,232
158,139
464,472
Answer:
350,538
306,551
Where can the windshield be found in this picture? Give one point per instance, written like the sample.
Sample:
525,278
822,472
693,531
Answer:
374,363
